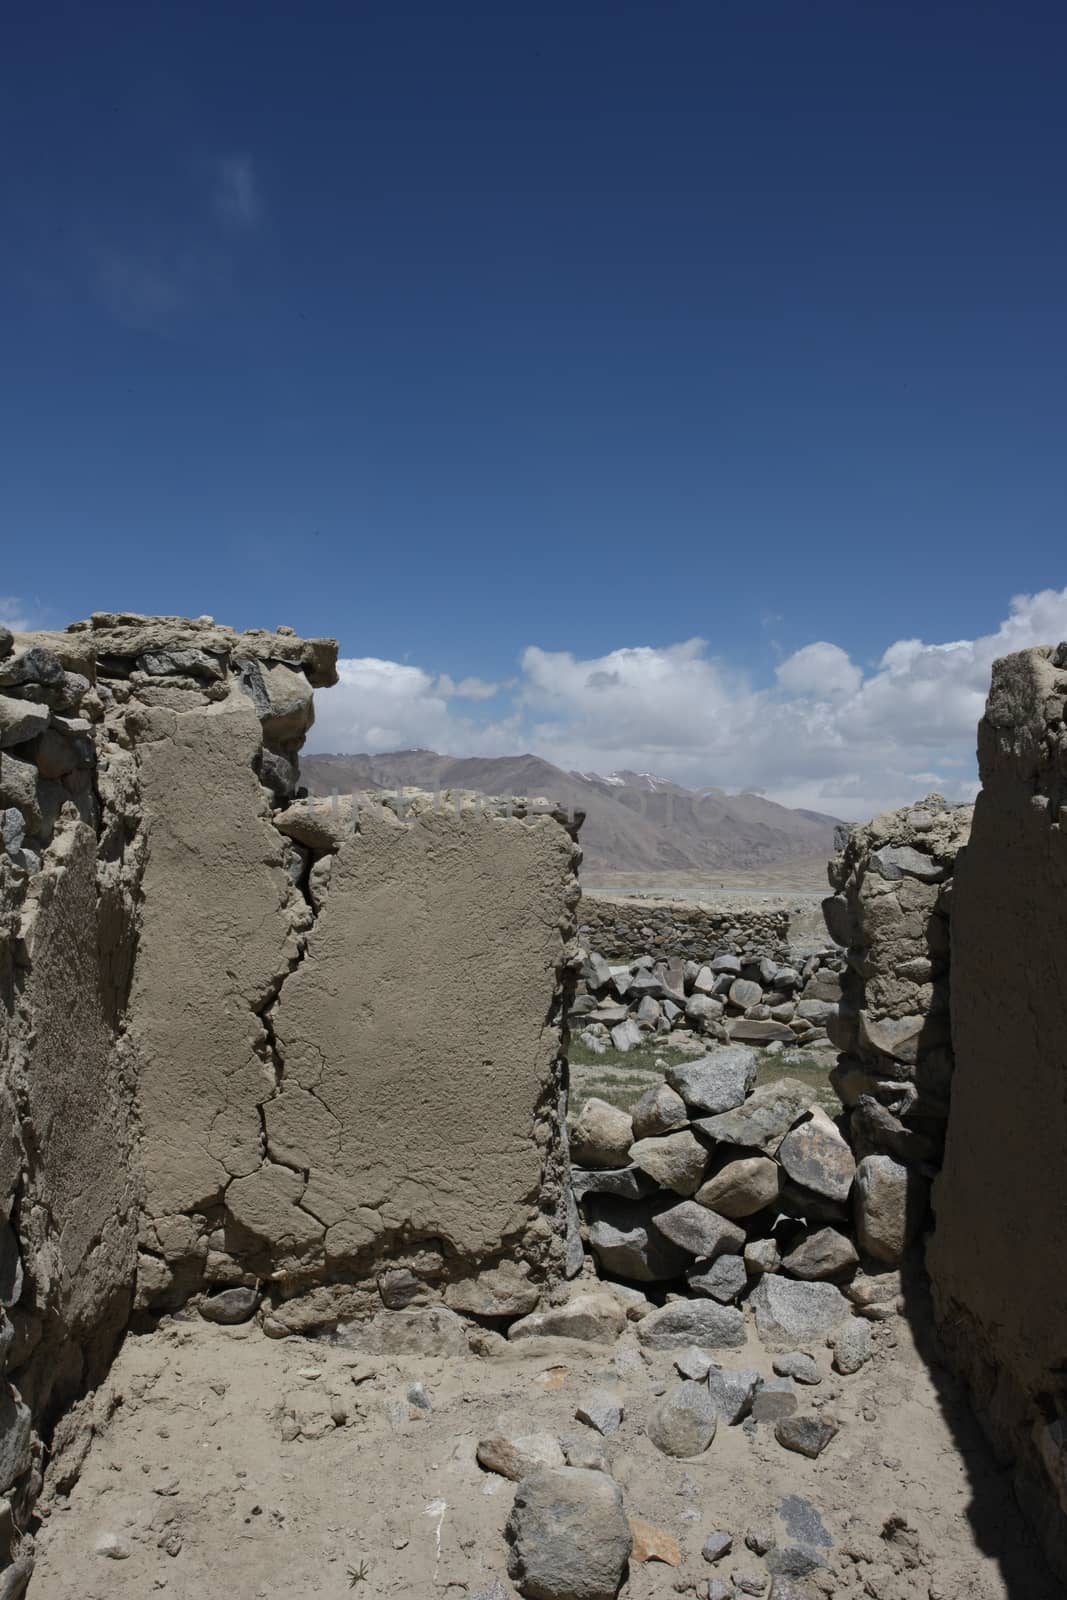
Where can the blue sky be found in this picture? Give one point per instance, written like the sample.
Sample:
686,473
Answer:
464,332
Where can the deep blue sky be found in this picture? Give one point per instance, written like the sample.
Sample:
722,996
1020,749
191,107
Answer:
452,329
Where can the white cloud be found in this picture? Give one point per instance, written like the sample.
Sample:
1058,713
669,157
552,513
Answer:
237,197
825,736
14,614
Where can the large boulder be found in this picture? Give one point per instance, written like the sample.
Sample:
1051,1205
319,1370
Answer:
700,1231
742,1187
791,1312
824,1253
889,1203
569,1536
685,1322
676,1161
602,1135
818,1157
764,1119
659,1110
716,1082
594,1318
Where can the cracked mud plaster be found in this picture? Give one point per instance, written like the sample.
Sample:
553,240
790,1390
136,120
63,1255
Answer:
371,1071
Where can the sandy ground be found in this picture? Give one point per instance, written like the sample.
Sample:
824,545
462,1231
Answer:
197,1478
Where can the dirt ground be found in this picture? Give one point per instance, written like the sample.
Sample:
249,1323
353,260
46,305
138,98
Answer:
196,1481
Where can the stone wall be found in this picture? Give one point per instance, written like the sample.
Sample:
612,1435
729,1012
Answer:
623,929
996,1259
276,1054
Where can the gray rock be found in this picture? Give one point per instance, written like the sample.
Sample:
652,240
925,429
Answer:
702,1009
816,1155
230,1306
569,1536
759,1540
693,1363
515,1455
797,1522
852,1345
20,720
732,1390
762,1255
625,1243
34,666
16,1430
799,1366
742,1187
495,1591
602,1135
806,1435
628,1183
435,1331
764,1119
12,829
894,862
775,1398
184,664
744,993
685,1322
602,1409
822,1254
717,1589
596,972
751,1030
683,1423
889,1203
726,963
585,1453
7,642
648,1010
595,1318
18,787
279,774
716,1082
626,1035
659,1110
676,1161
703,980
700,1231
790,1312
723,1280
716,1545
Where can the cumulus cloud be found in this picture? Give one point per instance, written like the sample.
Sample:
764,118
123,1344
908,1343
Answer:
825,735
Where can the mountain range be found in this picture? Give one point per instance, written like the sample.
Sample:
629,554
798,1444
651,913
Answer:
635,821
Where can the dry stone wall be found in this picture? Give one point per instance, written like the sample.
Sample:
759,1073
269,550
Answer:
996,1259
623,929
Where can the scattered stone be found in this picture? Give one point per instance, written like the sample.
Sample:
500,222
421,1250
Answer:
825,1253
114,1546
693,1363
875,1294
652,1544
685,1322
797,1364
504,1290
716,1545
626,1036
683,1423
775,1398
732,1391
716,1082
231,1306
718,1590
585,1453
759,1540
801,1538
596,1318
602,1409
727,963
742,1187
761,1030
791,1312
676,1161
659,1110
852,1345
818,1157
602,1135
569,1536
807,1435
724,1280
700,1231
744,993
515,1455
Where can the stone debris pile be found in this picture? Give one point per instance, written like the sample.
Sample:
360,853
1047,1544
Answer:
751,1000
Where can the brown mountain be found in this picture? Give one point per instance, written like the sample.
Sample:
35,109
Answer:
635,822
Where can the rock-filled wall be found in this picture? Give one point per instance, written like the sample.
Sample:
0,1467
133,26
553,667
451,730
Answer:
893,882
996,1259
623,929
285,1055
